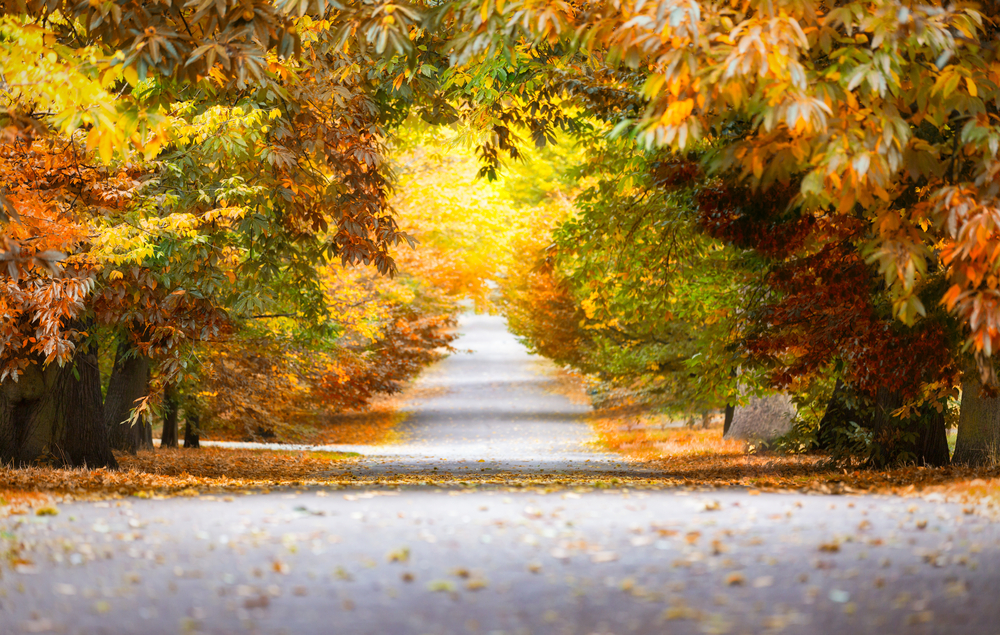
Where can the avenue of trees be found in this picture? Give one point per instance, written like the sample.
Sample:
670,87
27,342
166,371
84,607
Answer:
762,196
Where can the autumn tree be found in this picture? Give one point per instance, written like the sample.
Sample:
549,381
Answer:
869,111
132,263
860,136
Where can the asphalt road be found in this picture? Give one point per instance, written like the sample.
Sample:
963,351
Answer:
503,560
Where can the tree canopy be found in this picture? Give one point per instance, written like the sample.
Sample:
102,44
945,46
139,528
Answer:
762,196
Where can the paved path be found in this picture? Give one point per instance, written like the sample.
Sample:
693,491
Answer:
426,560
491,407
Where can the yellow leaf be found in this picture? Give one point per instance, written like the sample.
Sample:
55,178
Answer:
110,76
105,147
972,86
93,137
151,149
130,75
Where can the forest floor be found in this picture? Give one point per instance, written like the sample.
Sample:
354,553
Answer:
498,509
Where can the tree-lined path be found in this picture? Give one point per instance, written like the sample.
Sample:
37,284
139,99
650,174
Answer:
497,403
256,219
446,559
489,407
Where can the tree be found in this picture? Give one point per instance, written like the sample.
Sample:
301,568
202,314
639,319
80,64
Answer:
51,407
168,438
874,114
978,442
130,264
129,382
210,159
870,118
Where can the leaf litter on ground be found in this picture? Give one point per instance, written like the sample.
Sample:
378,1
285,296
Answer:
685,458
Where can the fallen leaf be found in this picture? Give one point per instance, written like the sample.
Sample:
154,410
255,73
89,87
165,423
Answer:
439,586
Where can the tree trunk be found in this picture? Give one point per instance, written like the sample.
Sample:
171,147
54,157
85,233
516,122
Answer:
129,382
53,415
169,437
191,421
978,442
730,411
932,440
886,430
85,438
921,439
762,419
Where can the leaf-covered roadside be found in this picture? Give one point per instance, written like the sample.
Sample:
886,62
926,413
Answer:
208,473
373,425
702,458
166,473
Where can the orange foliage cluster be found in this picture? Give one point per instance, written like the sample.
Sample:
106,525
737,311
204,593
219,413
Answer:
372,425
826,310
824,300
445,269
46,188
51,278
541,308
255,388
272,389
410,341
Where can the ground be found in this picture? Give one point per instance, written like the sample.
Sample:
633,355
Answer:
499,510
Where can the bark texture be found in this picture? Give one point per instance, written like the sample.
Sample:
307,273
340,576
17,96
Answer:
978,442
129,382
169,437
54,415
191,433
932,442
728,422
762,419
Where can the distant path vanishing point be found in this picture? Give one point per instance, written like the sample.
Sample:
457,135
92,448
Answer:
491,406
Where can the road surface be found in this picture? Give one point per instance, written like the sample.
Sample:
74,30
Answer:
502,560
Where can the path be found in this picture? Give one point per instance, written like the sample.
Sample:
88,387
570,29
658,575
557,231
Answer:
491,407
428,560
